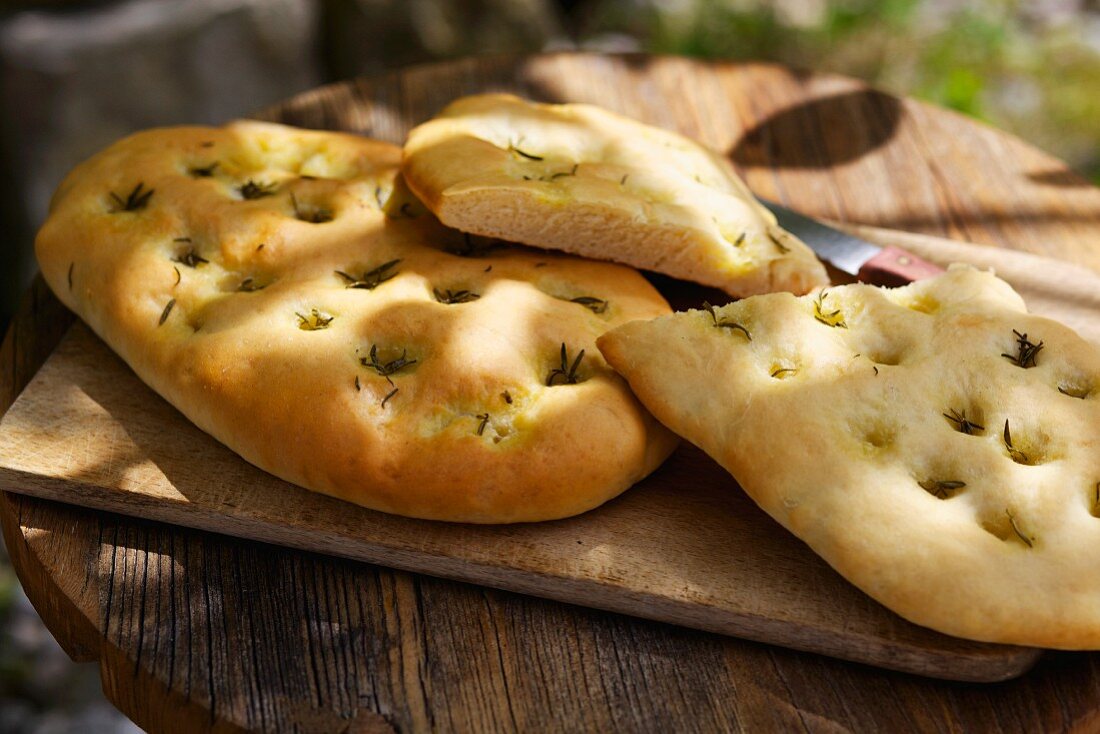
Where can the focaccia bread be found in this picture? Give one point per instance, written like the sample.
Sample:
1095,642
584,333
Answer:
271,284
937,445
578,178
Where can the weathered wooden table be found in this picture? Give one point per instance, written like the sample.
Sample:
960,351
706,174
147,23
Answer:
195,631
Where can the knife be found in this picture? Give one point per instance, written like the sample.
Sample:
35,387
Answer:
870,263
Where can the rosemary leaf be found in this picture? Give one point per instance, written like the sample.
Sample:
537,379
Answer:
962,425
778,244
385,369
1018,456
389,395
1030,542
567,372
203,171
167,310
255,190
372,278
941,489
311,214
451,297
190,258
513,149
137,199
314,321
834,319
1026,351
593,304
725,323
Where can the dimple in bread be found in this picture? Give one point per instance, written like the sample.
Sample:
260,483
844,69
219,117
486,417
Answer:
281,290
579,178
937,445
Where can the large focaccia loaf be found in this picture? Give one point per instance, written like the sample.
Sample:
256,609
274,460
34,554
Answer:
271,284
936,444
578,178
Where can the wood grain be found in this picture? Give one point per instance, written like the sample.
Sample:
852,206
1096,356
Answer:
88,432
199,631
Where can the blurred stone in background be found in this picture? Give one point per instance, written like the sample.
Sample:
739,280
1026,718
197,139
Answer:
41,690
366,36
72,82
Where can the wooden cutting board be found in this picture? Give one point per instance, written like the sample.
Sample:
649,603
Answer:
685,546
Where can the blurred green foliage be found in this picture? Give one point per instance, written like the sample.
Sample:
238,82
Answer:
1032,68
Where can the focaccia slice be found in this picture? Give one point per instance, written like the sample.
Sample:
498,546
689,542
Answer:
271,285
937,445
578,178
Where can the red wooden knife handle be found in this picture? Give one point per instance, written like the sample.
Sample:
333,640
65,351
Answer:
895,266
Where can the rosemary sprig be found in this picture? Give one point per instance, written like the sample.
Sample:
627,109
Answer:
593,304
450,297
740,240
167,310
179,276
372,278
203,171
1026,352
566,372
724,323
135,200
484,418
312,214
832,318
190,258
780,371
941,489
314,321
513,149
622,181
389,395
1018,456
1030,542
962,424
255,190
71,266
508,399
358,385
249,285
385,369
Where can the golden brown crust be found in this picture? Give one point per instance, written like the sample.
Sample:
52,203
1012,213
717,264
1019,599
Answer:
581,179
852,437
207,287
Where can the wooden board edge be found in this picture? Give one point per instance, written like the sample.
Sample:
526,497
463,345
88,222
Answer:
989,663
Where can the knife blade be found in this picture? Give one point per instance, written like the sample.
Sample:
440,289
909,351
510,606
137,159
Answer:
870,263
